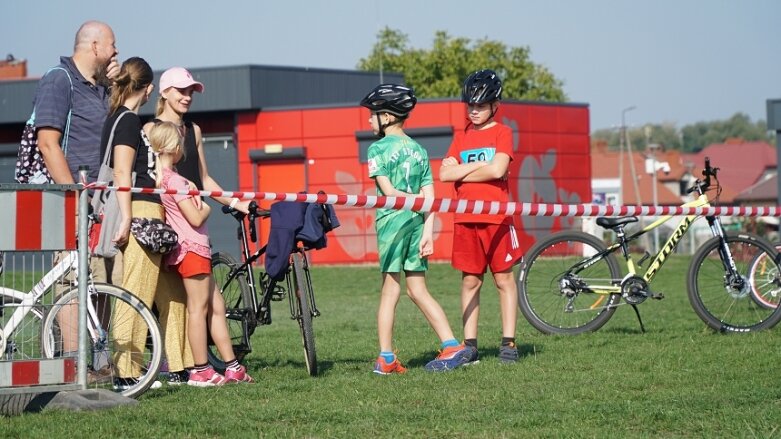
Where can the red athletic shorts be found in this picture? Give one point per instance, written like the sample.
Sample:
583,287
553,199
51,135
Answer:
194,264
479,245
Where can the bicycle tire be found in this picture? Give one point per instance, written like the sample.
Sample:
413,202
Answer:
540,297
762,275
26,341
723,307
238,309
115,306
16,403
302,287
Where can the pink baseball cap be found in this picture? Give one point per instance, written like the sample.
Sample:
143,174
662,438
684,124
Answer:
178,77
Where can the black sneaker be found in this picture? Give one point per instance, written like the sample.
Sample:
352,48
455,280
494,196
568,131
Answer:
122,384
474,356
178,378
508,353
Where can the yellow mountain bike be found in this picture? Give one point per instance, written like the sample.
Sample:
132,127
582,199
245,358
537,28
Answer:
570,282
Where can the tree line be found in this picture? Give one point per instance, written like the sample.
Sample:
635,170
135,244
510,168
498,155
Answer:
690,138
439,72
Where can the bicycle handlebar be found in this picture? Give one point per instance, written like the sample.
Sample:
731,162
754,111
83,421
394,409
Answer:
703,185
254,212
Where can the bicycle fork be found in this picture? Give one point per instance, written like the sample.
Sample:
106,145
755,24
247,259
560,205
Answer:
733,280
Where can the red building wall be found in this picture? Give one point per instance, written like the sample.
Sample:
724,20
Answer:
551,164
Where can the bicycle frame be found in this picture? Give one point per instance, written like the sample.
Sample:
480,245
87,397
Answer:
268,288
662,255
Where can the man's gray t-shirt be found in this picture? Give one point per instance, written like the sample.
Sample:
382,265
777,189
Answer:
89,110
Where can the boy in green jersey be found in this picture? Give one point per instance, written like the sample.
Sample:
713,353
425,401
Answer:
400,167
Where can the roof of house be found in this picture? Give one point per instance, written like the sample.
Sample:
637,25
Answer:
766,190
606,164
741,164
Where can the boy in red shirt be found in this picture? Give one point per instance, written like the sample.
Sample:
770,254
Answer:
477,162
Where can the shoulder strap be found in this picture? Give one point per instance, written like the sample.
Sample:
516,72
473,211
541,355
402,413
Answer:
31,121
109,148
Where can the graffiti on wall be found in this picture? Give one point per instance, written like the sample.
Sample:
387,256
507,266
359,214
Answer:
537,185
358,223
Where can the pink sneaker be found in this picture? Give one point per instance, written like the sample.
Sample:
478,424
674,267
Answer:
238,376
207,378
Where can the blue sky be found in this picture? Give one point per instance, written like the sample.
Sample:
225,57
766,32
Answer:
677,61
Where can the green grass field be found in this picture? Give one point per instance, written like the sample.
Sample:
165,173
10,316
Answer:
679,379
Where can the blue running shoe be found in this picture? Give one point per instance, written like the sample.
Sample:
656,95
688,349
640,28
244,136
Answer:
452,357
508,354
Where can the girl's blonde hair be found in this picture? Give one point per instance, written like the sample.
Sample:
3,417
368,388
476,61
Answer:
164,138
134,75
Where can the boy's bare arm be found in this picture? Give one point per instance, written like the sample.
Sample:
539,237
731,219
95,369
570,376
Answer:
426,247
493,170
451,170
387,188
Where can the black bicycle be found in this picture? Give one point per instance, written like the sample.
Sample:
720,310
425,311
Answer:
248,293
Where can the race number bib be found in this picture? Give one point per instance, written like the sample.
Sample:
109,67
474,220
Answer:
484,154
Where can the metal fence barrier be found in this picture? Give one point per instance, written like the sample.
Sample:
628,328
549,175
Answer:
38,262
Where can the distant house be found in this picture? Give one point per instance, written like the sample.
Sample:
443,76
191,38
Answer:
623,179
762,193
12,68
743,166
747,174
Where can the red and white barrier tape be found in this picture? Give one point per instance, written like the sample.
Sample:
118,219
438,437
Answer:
420,204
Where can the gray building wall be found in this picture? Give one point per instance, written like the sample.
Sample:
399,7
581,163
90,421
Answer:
236,88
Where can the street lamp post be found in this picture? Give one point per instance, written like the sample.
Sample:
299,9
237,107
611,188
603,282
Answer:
653,147
621,139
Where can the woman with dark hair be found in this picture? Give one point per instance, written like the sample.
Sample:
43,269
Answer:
141,273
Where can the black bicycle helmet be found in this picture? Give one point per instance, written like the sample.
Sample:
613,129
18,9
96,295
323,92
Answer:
391,98
481,87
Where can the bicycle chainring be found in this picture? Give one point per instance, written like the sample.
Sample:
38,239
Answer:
634,290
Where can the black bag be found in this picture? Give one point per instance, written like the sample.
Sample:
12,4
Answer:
30,166
154,235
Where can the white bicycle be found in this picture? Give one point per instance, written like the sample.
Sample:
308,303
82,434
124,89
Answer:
31,330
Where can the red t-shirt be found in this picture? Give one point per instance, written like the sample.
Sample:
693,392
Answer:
482,145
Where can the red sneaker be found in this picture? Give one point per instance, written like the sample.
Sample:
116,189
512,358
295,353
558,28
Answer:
381,367
206,378
238,376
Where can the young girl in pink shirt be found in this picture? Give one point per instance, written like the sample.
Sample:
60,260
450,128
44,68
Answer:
192,260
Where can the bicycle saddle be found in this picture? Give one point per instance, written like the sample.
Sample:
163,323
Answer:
610,223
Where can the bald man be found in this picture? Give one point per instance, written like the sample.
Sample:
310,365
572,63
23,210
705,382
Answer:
93,64
81,89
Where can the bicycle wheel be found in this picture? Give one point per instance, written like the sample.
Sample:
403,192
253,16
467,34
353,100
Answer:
25,341
554,297
762,274
303,310
725,304
115,314
238,309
